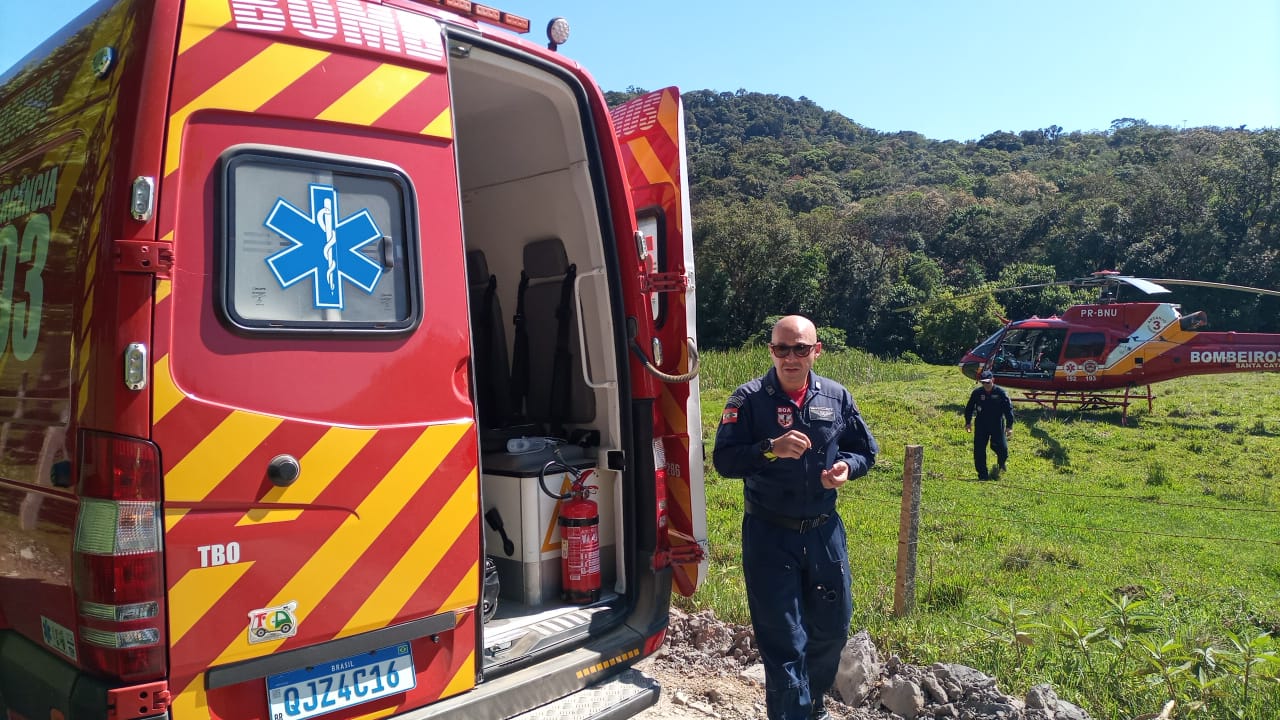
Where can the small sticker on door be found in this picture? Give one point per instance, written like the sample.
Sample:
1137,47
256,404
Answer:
273,623
58,637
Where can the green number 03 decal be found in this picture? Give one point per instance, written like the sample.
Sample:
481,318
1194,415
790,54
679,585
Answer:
21,320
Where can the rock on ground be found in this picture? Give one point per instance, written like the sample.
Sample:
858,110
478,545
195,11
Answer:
710,670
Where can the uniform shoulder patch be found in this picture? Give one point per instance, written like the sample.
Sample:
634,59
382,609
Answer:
729,416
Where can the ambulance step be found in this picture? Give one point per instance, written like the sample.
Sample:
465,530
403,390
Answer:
626,695
519,639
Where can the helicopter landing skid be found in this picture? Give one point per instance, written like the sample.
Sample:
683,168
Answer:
1087,400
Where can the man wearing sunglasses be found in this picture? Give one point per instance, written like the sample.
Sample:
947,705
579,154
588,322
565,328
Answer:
795,437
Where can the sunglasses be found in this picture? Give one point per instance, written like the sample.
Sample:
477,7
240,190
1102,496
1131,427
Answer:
781,351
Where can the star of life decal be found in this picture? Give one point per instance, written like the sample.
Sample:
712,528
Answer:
326,246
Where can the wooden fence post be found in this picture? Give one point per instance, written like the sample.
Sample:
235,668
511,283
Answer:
904,586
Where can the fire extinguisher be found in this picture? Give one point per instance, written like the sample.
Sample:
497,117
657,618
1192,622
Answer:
579,535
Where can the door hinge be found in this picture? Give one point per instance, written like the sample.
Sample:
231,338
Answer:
138,701
664,282
144,256
691,554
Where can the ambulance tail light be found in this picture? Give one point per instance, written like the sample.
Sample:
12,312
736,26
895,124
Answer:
118,567
660,497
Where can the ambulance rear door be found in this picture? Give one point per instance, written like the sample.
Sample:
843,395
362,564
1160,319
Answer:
311,368
650,131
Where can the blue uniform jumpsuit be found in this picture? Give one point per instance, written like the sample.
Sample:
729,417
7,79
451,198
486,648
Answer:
795,559
994,413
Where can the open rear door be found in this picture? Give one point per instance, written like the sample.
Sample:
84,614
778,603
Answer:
650,132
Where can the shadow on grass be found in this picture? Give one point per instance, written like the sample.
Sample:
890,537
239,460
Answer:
1051,449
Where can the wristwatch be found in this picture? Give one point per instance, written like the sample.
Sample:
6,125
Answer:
765,447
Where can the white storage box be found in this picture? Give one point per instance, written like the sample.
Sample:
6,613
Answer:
509,483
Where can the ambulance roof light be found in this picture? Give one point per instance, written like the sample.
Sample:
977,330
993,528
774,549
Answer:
557,32
484,13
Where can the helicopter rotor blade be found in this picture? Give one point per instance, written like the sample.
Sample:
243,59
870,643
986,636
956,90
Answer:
1217,285
987,291
1147,286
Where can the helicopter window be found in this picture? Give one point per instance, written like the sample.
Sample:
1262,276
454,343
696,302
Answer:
984,350
1029,351
1086,345
1050,347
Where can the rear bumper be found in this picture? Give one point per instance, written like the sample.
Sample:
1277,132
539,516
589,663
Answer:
625,695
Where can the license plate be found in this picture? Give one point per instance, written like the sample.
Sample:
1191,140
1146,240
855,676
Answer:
328,687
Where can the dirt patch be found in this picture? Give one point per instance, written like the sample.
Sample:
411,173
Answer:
711,669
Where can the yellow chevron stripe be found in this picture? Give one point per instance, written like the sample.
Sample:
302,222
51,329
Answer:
163,288
165,395
441,127
197,474
321,464
425,553
673,411
654,170
90,271
247,89
197,592
374,95
466,594
202,19
668,118
376,714
361,528
82,377
462,680
192,702
67,185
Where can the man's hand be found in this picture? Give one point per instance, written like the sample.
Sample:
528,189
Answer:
836,475
1008,432
793,444
968,427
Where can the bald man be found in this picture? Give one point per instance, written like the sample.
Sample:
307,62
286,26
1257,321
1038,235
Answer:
795,438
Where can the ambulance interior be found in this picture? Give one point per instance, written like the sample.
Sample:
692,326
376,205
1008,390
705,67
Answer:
529,204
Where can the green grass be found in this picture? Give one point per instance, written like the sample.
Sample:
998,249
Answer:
1173,519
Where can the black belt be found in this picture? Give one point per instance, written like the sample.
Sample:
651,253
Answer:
790,523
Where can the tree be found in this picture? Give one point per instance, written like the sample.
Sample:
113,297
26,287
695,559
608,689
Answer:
949,328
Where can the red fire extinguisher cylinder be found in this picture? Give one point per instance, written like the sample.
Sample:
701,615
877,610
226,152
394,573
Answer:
580,550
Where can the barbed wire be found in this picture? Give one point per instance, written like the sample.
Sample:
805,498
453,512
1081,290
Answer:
1106,496
1139,498
1118,530
1151,533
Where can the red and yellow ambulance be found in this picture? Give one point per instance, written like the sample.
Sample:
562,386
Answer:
314,314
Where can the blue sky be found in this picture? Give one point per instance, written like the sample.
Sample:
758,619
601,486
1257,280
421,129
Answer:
949,69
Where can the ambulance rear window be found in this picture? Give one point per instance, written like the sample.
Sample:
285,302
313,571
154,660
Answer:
313,245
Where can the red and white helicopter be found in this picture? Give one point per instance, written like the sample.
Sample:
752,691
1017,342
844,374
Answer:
1099,355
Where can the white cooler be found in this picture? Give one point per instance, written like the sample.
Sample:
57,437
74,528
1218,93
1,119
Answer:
509,482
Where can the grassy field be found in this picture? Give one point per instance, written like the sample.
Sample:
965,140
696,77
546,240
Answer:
1127,565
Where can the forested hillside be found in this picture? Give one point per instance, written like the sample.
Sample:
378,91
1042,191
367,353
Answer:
800,209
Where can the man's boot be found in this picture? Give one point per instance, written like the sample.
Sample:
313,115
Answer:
819,711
